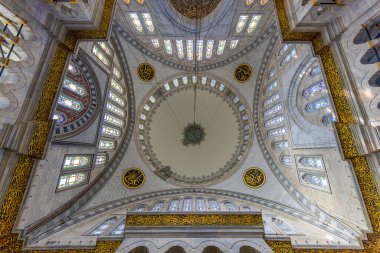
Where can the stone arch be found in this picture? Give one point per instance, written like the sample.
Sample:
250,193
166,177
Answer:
176,249
139,249
212,249
247,249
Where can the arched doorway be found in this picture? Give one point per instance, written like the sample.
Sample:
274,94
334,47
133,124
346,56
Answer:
140,249
248,249
176,249
212,249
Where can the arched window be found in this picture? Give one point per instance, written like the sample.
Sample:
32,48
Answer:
280,145
371,56
241,23
283,226
314,180
270,87
316,70
274,121
327,119
139,208
103,227
111,131
101,159
157,206
107,144
77,162
271,73
245,208
101,55
314,88
107,49
230,206
115,98
274,98
318,104
74,87
276,132
286,160
116,86
314,162
115,109
273,110
72,69
253,23
187,205
119,230
117,73
292,54
283,49
374,81
59,116
136,21
70,103
113,120
173,205
214,205
71,180
200,204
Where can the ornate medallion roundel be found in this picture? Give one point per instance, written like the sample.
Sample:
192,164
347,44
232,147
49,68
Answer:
243,73
133,178
254,177
145,72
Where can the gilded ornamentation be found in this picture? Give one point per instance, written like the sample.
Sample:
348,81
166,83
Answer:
345,118
133,178
195,8
9,241
243,73
145,72
254,177
193,219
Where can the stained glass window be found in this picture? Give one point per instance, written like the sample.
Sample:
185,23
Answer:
115,109
314,88
115,85
168,46
60,117
187,205
180,52
214,205
119,230
327,119
316,70
106,48
311,162
318,104
136,22
276,132
270,87
72,180
115,98
173,205
103,227
157,207
314,180
201,205
283,49
148,22
74,87
100,55
234,44
221,46
292,54
190,50
70,103
209,47
77,161
241,23
73,69
280,145
110,131
272,99
274,121
286,160
282,226
155,43
230,206
199,50
107,144
253,24
101,159
113,120
273,110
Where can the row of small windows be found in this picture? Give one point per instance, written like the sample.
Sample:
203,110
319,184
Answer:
191,50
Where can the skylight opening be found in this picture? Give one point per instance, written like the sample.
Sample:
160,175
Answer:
241,23
199,50
233,44
190,50
155,43
221,46
180,52
253,24
209,47
168,46
136,22
148,22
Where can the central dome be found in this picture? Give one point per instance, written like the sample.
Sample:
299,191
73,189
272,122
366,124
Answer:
195,8
194,150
